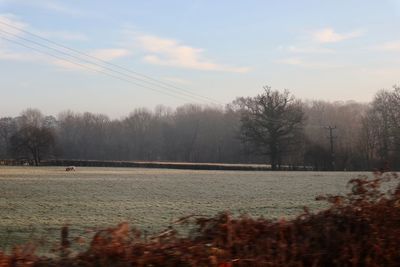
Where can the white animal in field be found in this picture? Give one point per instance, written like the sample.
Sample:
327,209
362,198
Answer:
70,168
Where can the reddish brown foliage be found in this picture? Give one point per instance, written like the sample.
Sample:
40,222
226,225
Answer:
361,228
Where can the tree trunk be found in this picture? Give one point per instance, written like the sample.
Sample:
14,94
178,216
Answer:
36,156
273,155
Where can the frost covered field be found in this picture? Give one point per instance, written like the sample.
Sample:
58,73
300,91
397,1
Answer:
38,201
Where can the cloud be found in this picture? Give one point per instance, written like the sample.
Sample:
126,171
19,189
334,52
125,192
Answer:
103,54
393,46
13,25
110,54
169,52
8,52
68,65
328,35
11,55
10,19
15,53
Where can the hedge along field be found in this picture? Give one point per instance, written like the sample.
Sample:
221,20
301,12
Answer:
36,202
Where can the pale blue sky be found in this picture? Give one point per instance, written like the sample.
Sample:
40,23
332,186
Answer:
330,50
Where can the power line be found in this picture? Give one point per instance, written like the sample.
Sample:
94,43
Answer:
90,68
79,59
331,138
105,62
90,62
152,81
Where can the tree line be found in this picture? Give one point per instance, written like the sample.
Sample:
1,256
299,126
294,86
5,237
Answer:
273,127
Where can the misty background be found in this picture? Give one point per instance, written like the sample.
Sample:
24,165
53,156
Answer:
364,136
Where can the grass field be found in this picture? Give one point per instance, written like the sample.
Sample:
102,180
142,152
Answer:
36,202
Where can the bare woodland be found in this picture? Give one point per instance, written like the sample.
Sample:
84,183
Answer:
273,127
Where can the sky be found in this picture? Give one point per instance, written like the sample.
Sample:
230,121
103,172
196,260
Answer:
205,52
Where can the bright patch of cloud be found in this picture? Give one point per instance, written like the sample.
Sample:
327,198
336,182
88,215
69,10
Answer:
169,52
110,54
328,35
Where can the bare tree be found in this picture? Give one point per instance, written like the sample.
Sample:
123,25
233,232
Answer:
368,138
272,124
347,117
7,128
33,138
383,124
271,121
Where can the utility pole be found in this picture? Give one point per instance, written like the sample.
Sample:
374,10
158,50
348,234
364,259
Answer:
331,138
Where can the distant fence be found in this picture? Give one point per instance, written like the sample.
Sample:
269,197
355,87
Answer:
170,165
161,165
16,162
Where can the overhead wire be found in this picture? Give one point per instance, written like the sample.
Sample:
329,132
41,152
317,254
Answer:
64,53
144,78
90,68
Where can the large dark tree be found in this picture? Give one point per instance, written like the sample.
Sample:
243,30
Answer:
32,142
7,129
272,122
34,137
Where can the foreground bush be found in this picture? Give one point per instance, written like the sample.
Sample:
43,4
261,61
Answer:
361,228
